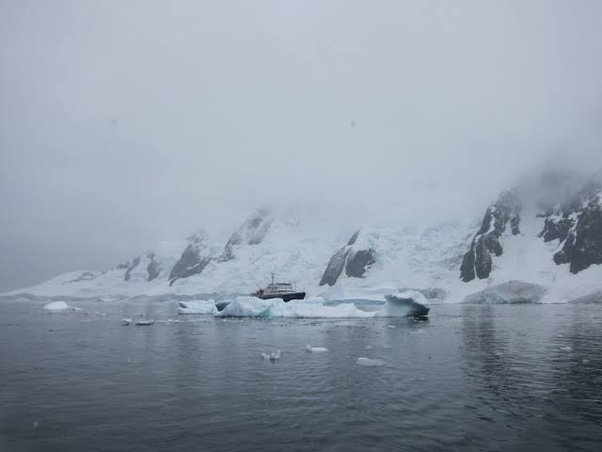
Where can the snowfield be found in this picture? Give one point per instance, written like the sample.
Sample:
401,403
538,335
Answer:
299,249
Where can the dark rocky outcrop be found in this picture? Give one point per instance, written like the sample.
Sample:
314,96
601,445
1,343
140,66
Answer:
477,262
335,267
153,269
193,260
556,228
131,267
251,232
358,262
355,262
577,224
85,276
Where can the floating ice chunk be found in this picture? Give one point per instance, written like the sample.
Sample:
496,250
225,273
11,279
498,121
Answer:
566,348
126,322
390,326
271,356
369,362
145,322
200,307
221,304
409,303
173,321
368,347
310,349
60,306
254,307
247,307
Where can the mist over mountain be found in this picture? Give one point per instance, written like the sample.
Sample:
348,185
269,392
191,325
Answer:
117,133
541,239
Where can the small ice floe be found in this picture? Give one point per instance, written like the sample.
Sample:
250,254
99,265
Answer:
145,322
274,356
566,348
310,349
126,322
585,361
368,347
60,306
369,362
391,326
35,424
170,321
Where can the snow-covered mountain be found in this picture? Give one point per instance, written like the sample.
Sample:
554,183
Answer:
545,233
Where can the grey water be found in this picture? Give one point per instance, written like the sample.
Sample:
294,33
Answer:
520,377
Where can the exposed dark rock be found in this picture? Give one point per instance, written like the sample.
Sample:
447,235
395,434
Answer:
477,261
359,261
514,223
354,261
354,237
153,269
193,261
85,276
556,228
335,267
483,251
583,246
131,267
577,224
251,232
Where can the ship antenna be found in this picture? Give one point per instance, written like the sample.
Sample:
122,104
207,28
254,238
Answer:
272,278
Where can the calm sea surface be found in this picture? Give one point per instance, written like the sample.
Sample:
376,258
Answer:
470,378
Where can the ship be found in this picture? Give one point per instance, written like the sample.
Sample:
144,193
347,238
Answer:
285,291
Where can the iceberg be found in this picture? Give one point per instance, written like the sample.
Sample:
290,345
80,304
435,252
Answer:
370,362
310,349
409,303
248,307
60,306
403,304
510,292
145,322
201,307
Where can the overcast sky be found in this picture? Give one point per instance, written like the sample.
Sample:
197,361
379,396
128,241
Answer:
127,122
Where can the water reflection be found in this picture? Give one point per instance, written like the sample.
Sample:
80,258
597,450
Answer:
529,378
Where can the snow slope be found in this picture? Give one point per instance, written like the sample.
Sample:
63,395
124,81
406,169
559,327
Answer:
298,246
